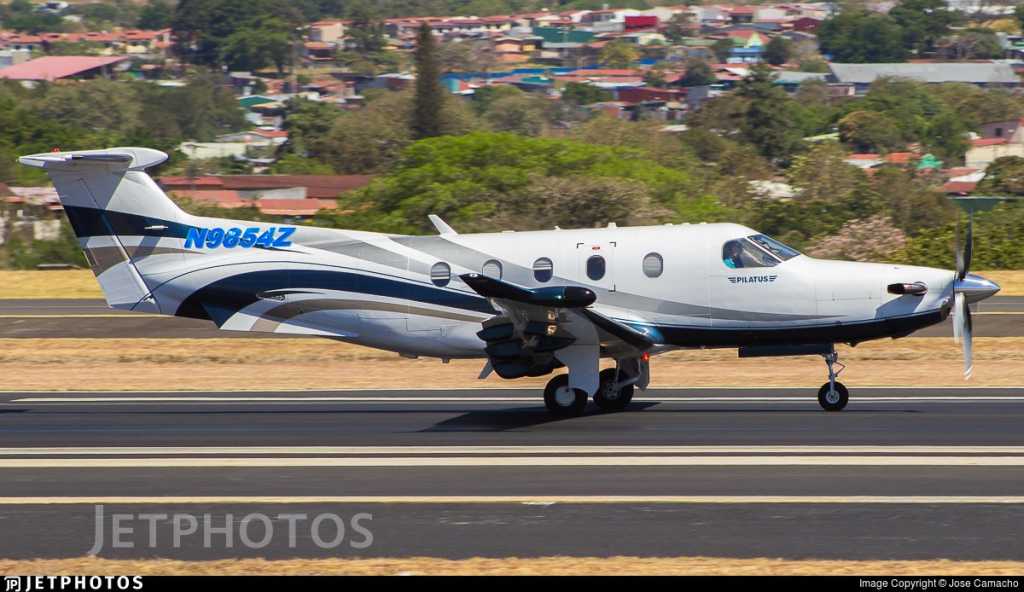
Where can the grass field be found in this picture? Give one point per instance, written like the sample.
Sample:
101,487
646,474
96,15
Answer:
513,566
317,364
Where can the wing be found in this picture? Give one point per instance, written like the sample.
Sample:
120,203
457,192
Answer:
540,325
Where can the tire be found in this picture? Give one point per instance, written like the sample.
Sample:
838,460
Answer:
557,397
839,401
612,401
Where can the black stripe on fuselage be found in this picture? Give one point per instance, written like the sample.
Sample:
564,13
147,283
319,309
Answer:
240,291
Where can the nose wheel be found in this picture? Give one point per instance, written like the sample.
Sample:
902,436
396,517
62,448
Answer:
563,400
833,395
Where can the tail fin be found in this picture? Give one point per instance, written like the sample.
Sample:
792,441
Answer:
120,217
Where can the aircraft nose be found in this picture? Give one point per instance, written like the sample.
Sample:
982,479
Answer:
976,288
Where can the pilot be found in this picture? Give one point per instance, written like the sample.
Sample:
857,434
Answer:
731,254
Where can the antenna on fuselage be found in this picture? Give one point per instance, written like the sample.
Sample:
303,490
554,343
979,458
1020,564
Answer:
442,227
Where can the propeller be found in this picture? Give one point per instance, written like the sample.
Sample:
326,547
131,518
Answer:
962,326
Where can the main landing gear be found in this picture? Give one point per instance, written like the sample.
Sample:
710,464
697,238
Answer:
614,391
833,396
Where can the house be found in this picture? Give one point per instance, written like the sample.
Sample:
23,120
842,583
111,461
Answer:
806,24
50,68
1011,130
982,74
741,14
329,32
982,152
11,57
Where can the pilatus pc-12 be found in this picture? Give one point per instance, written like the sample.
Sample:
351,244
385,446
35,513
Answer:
528,303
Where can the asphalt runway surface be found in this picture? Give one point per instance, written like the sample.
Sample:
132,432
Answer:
1001,316
902,473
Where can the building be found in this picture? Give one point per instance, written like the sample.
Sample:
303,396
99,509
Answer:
983,74
52,68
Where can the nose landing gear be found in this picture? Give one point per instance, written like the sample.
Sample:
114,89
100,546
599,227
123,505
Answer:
833,395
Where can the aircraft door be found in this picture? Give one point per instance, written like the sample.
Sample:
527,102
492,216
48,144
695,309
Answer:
596,264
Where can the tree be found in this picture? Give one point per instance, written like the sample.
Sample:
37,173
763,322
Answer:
1003,176
306,123
769,122
698,73
155,16
823,175
722,48
523,115
923,23
778,51
974,43
873,239
582,93
99,105
484,96
620,54
868,132
430,95
975,106
857,37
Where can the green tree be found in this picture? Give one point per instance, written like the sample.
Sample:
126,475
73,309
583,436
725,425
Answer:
858,37
485,95
923,23
823,175
99,105
306,123
155,15
769,122
698,73
975,106
778,51
293,164
722,48
620,54
1003,176
868,132
521,114
581,93
430,95
974,43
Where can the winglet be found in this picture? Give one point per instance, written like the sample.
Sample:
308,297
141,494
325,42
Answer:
442,227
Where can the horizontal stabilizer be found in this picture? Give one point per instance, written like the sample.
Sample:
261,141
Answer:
136,159
555,296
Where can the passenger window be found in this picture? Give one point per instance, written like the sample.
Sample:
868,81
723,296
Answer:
440,274
492,269
653,265
543,270
596,267
741,253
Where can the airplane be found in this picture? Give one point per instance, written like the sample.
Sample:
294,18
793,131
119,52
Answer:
526,303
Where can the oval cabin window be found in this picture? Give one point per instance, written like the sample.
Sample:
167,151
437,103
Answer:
543,270
596,267
492,269
653,265
440,274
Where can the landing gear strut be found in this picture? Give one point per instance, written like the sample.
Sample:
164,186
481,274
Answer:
616,389
833,396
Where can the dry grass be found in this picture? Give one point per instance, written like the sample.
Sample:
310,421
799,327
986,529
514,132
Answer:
72,283
81,283
315,364
512,566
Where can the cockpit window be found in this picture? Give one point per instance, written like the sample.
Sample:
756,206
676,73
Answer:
743,253
774,247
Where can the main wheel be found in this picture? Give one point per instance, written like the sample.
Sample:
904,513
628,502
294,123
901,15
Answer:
607,397
833,400
563,400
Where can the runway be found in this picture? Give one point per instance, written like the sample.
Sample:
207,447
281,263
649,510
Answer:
1001,316
900,474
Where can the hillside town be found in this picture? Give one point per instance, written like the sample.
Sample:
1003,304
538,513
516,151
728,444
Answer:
314,122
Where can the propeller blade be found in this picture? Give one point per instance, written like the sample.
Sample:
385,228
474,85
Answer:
959,251
968,246
963,331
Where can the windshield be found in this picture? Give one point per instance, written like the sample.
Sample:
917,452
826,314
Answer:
774,247
741,253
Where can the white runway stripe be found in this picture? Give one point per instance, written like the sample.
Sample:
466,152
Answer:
514,461
516,499
831,451
486,399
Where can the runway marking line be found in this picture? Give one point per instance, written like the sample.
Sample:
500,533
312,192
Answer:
514,461
499,399
830,451
511,499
